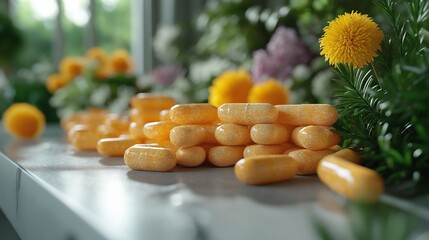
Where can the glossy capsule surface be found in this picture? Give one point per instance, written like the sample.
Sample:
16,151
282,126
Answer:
233,134
115,146
270,133
147,101
308,160
307,114
195,113
225,156
350,180
158,130
315,137
247,113
349,155
149,158
187,135
135,130
85,139
265,169
191,156
259,149
144,116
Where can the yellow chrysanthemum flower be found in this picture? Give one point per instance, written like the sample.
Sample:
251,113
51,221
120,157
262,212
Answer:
71,66
352,38
23,120
270,91
230,87
120,62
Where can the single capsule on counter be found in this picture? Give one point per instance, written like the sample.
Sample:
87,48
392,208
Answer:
259,149
149,158
247,113
233,134
85,139
144,116
265,169
187,135
195,113
147,101
190,156
225,156
158,130
350,180
136,131
349,155
270,133
115,146
307,114
164,115
315,137
308,160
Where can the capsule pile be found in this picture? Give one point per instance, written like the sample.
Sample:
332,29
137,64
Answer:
266,143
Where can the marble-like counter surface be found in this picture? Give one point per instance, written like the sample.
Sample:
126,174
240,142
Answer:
50,191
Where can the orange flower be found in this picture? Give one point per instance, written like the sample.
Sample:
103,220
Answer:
230,87
57,81
270,91
120,62
71,66
23,120
97,54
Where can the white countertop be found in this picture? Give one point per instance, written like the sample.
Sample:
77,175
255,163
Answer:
50,191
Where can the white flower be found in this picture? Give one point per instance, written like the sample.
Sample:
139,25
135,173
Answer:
204,71
120,104
163,42
301,73
100,96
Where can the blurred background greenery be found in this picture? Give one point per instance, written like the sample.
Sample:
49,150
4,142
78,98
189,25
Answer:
178,47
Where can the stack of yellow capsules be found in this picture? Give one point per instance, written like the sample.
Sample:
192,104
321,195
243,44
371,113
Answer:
149,123
265,143
86,128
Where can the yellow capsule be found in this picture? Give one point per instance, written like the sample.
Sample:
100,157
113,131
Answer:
195,113
292,148
136,131
307,160
117,123
315,137
233,134
85,139
164,115
350,180
149,158
225,156
247,113
149,101
210,134
158,130
265,169
307,114
79,127
336,148
190,156
349,155
115,146
259,149
144,116
270,133
187,135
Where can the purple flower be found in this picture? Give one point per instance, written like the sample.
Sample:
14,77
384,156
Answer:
166,75
284,52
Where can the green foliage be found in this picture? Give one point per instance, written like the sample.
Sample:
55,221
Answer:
10,41
383,109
